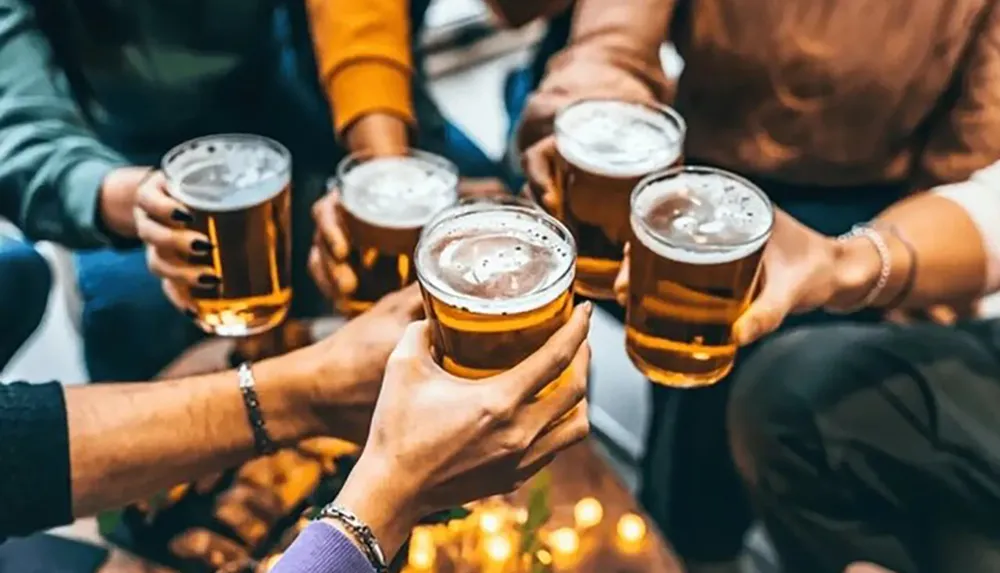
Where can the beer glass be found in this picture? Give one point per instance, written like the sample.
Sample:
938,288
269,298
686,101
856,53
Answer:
695,262
604,148
238,189
386,201
497,284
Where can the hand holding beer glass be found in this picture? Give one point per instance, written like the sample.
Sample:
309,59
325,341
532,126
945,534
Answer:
586,173
217,222
497,283
368,228
694,265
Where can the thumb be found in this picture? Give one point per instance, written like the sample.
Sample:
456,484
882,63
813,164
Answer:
766,312
415,343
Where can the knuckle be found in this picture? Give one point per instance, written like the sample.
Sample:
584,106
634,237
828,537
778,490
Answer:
513,442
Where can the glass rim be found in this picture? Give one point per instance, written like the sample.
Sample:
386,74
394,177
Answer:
648,181
274,144
660,108
460,211
360,157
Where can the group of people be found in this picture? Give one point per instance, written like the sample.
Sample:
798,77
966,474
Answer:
863,431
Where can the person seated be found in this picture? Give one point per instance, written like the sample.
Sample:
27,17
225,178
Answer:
25,284
366,383
822,106
876,442
93,95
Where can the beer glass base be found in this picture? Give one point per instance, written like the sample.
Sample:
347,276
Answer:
241,329
663,377
595,278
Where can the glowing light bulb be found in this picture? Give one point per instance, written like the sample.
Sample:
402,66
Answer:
422,537
631,529
490,522
498,548
588,512
544,557
422,557
521,515
564,541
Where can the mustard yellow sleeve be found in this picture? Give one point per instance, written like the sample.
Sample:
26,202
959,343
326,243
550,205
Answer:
364,59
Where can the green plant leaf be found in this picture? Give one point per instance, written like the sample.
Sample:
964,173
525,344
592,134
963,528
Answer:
107,522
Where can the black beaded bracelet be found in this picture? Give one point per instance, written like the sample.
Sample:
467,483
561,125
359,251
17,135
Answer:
360,532
262,441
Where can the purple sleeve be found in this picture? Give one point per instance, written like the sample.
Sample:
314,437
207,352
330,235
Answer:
321,548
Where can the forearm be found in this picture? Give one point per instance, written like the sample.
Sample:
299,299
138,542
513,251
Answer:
144,438
950,255
364,58
635,27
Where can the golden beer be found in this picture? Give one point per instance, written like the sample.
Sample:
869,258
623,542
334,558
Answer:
238,188
695,262
605,147
497,284
386,202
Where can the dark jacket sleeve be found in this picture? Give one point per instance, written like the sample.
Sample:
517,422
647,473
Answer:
52,164
35,487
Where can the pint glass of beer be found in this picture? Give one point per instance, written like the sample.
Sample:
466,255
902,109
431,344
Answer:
497,284
238,189
695,262
604,148
386,202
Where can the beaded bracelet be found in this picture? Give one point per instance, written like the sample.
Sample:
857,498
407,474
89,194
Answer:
885,256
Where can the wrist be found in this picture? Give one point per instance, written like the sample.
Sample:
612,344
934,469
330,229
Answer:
286,401
378,134
857,266
117,199
376,493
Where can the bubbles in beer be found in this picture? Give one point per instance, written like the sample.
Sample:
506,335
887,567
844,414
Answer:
398,192
702,217
226,173
495,262
618,138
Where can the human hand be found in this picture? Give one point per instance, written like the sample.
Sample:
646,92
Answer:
800,273
118,198
355,356
438,441
175,253
328,257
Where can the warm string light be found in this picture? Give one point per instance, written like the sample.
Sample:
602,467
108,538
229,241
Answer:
631,532
490,522
588,513
423,549
564,541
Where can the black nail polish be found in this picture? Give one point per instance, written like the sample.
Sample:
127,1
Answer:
181,216
200,246
209,280
190,313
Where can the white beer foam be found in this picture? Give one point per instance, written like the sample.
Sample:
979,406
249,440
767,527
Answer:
398,192
617,139
219,174
523,263
715,219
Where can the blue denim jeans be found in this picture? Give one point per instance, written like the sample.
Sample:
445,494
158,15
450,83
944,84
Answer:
25,283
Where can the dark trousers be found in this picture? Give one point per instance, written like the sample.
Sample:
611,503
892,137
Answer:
25,282
872,442
690,485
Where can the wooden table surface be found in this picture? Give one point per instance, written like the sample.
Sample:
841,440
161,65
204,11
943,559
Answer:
577,473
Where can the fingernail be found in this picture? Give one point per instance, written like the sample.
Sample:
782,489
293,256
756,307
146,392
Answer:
201,246
181,216
190,314
209,280
588,307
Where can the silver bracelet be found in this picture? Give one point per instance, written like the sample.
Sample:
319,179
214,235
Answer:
262,441
885,256
361,533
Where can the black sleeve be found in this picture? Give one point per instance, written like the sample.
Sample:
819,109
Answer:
35,487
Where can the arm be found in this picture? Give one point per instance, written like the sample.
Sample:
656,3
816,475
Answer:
53,166
953,231
365,65
968,137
